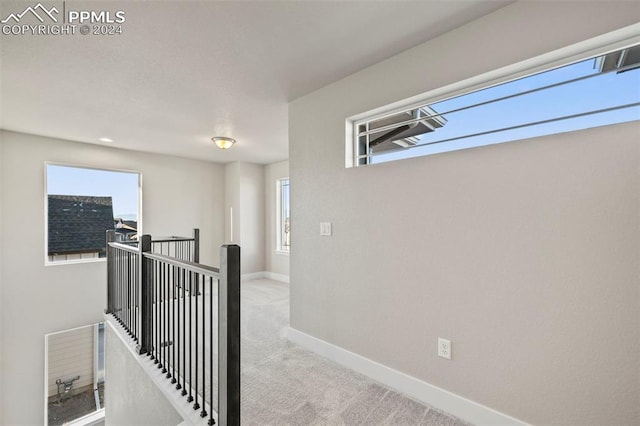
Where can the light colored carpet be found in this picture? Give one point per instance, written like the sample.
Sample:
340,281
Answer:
284,384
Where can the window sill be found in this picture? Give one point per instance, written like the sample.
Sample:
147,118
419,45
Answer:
73,262
95,418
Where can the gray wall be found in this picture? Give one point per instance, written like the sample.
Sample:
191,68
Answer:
244,192
524,254
126,379
1,239
178,196
275,261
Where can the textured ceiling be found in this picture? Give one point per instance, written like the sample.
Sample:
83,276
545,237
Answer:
185,71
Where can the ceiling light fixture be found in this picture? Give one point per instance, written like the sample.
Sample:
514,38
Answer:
105,140
223,142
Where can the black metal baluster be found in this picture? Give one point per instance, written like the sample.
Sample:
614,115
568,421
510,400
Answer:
167,319
149,282
121,313
120,288
134,280
114,297
125,290
158,287
117,285
211,420
196,405
137,306
156,319
162,322
177,341
168,306
165,314
128,299
173,327
127,293
184,335
135,298
190,398
203,413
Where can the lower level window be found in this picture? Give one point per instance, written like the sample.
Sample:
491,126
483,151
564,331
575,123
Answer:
75,376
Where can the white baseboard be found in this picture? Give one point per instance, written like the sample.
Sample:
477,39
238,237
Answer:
417,389
264,274
277,277
252,276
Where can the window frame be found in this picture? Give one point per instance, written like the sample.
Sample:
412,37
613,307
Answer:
48,262
280,249
597,46
95,415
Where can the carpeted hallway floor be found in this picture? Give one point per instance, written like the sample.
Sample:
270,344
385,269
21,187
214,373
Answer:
284,384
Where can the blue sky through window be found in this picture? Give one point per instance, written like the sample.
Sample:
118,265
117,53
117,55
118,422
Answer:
599,92
122,187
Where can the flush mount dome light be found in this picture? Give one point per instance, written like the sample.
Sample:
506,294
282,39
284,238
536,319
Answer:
223,142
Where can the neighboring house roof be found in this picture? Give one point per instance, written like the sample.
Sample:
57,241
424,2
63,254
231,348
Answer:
126,226
407,135
78,223
131,223
622,58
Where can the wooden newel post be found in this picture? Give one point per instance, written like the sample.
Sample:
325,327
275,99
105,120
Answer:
146,298
229,336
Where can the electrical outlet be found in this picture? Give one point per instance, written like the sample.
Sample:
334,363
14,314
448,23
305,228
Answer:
444,348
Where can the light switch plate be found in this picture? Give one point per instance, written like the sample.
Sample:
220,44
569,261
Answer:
325,229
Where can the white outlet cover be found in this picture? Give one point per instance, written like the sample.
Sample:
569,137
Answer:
444,348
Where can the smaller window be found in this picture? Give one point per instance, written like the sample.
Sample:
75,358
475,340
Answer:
283,216
81,205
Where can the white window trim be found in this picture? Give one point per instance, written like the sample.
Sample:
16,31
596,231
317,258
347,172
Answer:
279,224
597,46
47,262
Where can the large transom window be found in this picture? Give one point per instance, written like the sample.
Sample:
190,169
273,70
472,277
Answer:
597,91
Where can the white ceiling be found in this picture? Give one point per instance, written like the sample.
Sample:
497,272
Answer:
184,71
